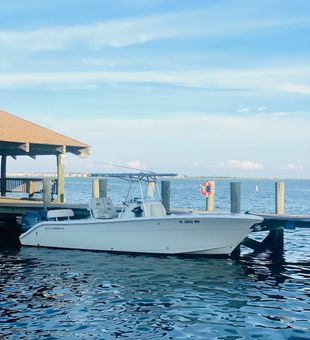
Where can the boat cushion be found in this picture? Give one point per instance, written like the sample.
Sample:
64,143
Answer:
60,213
154,208
103,208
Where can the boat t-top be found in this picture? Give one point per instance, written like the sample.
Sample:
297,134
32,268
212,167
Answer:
140,225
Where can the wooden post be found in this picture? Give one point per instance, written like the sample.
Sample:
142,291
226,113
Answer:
103,187
3,175
274,240
279,188
165,195
235,197
61,177
210,198
95,188
46,192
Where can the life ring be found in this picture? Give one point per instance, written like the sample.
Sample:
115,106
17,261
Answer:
207,189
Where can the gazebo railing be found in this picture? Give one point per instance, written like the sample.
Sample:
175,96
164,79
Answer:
29,185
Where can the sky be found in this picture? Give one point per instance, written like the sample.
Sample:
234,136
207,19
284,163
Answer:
201,88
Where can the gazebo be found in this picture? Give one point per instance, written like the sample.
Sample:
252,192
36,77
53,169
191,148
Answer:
19,137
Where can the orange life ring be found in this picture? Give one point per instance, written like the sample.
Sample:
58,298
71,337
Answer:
207,189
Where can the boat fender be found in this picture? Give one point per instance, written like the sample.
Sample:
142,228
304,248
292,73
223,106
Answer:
207,189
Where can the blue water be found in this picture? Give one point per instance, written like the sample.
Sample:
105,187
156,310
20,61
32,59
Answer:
67,294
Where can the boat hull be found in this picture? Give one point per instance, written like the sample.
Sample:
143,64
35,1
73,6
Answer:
186,234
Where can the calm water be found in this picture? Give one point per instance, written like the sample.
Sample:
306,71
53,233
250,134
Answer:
66,294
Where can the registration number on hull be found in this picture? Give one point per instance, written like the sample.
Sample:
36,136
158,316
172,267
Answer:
188,221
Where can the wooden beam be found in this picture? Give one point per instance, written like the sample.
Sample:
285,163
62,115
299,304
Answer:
61,149
25,147
80,152
61,177
3,175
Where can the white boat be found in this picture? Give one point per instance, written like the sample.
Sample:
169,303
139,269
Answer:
141,226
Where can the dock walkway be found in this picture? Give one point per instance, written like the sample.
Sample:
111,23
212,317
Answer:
15,207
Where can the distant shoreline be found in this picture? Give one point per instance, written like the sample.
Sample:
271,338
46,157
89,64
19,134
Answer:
179,177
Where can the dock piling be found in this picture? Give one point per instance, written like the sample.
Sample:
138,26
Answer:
61,177
3,175
210,197
235,197
103,187
99,187
95,188
279,197
47,184
165,195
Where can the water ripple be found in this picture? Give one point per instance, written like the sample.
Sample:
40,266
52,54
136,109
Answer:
74,294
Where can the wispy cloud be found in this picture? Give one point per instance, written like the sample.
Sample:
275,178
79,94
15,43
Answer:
137,165
138,30
261,109
243,109
118,33
272,79
242,164
293,167
298,88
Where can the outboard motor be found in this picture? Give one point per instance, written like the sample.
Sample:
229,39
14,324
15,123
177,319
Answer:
30,218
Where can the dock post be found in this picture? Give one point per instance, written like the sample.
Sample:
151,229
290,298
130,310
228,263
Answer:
279,196
61,177
47,184
165,195
235,197
95,188
103,187
235,208
275,240
210,197
3,175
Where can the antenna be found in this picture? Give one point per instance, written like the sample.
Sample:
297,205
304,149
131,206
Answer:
123,166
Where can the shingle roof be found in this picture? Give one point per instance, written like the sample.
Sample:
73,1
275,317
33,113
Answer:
15,129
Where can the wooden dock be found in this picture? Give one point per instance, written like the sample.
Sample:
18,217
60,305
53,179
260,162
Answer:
287,221
17,206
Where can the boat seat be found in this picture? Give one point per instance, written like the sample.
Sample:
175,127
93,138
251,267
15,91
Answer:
60,213
102,208
154,209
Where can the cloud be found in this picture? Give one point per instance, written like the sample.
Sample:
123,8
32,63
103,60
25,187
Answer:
293,167
237,79
211,22
297,88
117,33
261,108
243,109
137,165
243,165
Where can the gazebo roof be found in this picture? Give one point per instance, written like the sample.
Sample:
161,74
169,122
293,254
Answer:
21,137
